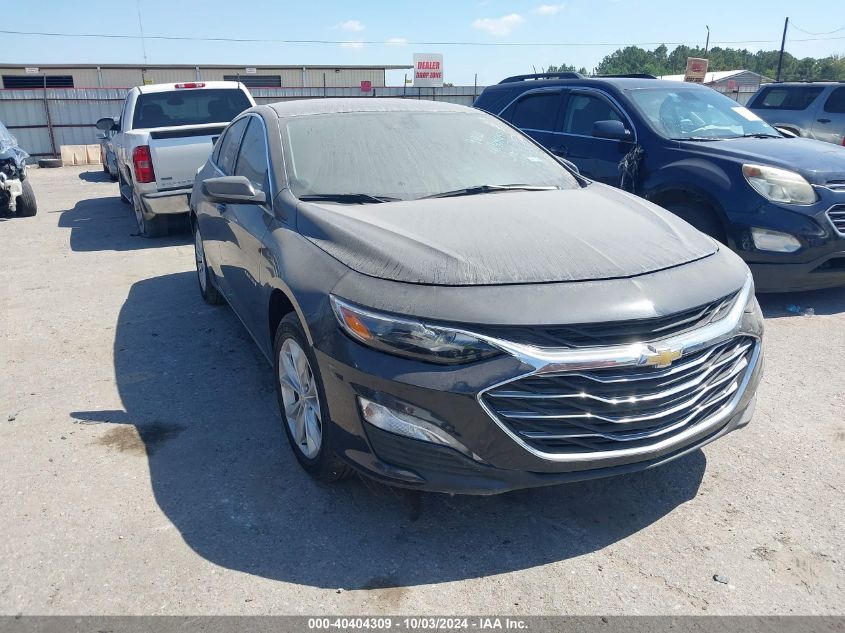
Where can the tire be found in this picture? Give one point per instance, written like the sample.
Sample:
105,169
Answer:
27,207
324,464
205,277
701,216
148,227
49,163
121,183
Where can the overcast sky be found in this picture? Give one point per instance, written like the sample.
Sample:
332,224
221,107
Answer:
586,30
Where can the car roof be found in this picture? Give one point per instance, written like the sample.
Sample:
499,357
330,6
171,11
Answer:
200,85
619,83
801,84
305,107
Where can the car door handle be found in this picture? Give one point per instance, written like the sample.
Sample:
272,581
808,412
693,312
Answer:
823,120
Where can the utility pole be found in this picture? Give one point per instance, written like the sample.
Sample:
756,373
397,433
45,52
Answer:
707,43
782,46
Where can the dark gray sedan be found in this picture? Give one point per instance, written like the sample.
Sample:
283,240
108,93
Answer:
448,307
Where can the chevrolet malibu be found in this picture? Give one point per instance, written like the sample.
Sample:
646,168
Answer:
448,307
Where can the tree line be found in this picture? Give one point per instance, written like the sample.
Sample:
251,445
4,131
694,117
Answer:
660,61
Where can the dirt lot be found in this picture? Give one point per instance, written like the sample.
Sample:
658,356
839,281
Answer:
145,470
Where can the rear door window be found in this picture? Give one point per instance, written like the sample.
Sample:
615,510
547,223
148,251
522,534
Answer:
583,110
536,111
786,98
836,102
189,107
228,152
252,159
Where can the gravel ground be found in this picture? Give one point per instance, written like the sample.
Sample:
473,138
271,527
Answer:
145,470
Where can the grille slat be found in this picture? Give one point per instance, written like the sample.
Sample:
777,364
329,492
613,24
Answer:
613,332
837,216
608,409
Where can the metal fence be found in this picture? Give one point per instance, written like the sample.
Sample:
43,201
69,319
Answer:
44,120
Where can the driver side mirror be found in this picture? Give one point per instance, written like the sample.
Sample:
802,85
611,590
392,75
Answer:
614,130
107,124
232,190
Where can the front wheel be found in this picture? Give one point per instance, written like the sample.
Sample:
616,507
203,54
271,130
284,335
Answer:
701,217
302,401
26,205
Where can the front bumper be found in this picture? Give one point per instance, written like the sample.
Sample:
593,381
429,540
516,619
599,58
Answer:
167,202
818,264
451,395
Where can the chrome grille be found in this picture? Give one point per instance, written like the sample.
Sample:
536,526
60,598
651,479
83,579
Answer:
837,216
613,332
621,408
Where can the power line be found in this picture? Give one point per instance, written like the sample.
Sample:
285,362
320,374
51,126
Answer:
384,42
798,28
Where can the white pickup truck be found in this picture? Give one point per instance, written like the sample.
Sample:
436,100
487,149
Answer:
164,135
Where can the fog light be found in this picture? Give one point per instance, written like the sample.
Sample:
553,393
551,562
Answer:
768,240
407,425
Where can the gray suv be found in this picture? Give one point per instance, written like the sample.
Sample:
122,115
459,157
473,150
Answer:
813,110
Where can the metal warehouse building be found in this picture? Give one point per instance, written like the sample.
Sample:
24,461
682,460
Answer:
128,75
739,85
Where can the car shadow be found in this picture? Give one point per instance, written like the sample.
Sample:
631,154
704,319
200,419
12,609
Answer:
792,304
107,224
199,404
95,176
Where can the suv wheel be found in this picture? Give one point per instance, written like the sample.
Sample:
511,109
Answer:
701,216
302,402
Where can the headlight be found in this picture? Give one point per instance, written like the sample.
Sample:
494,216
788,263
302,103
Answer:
776,241
409,337
779,185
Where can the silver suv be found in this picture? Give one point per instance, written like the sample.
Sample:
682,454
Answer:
813,110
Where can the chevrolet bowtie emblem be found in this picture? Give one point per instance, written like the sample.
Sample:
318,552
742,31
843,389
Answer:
660,357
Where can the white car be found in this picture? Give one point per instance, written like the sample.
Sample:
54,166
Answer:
164,135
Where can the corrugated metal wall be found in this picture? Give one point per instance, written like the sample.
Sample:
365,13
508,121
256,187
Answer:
136,76
74,111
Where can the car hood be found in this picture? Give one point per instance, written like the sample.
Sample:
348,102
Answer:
817,161
592,233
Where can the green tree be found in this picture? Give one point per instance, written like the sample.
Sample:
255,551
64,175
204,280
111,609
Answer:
661,61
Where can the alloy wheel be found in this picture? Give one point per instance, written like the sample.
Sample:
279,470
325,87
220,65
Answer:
199,255
300,398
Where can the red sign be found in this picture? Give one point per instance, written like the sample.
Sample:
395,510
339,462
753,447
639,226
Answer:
366,86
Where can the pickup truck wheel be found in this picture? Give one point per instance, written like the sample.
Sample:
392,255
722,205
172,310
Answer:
701,216
208,285
27,206
153,227
121,183
305,413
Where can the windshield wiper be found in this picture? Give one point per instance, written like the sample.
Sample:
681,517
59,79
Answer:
473,191
698,138
759,135
346,198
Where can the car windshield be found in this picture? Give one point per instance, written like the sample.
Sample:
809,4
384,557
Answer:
404,155
189,107
697,113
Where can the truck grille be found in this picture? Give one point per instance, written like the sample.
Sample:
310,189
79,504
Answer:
621,408
613,332
837,216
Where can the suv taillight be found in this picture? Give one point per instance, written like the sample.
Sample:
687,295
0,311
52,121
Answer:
143,162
